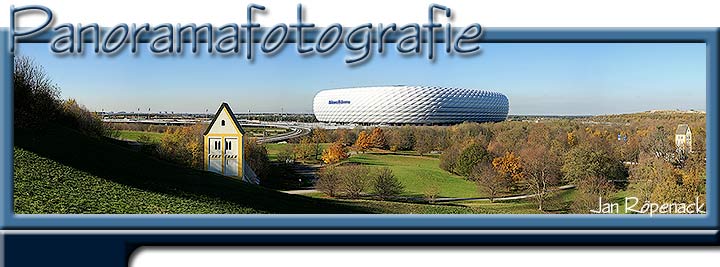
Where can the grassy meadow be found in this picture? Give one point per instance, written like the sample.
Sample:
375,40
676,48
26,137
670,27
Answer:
153,137
419,173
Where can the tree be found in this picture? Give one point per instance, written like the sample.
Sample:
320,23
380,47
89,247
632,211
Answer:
594,159
424,140
659,143
318,136
286,154
386,185
630,150
506,137
346,136
256,156
449,157
488,180
571,139
334,153
362,142
183,145
355,180
377,138
595,169
694,178
463,132
400,138
654,179
305,149
509,165
541,168
329,181
588,192
35,96
470,156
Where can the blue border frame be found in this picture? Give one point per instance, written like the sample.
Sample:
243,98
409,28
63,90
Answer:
491,35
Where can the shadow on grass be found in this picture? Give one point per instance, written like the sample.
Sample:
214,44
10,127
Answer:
103,157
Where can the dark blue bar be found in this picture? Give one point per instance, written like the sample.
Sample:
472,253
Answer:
116,250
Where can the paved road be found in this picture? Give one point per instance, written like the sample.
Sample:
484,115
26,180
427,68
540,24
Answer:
442,199
452,199
296,131
300,191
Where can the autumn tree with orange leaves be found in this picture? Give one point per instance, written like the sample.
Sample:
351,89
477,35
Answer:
335,153
363,142
377,138
509,165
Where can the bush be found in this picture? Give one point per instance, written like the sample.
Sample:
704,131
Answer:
329,181
35,96
354,180
386,185
305,150
470,156
78,117
432,192
183,145
256,156
37,103
287,154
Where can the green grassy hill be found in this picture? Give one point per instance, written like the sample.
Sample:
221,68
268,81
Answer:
56,188
64,171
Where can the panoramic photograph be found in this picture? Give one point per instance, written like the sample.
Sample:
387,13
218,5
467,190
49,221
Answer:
521,128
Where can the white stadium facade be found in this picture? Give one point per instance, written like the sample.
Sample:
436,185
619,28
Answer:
400,105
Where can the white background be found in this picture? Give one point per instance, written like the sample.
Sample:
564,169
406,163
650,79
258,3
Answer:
425,257
489,13
494,13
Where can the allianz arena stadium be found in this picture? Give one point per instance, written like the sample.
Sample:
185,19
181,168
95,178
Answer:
399,105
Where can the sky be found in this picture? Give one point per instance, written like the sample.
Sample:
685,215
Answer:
537,78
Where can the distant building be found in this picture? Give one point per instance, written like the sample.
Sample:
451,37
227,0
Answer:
399,105
683,138
223,146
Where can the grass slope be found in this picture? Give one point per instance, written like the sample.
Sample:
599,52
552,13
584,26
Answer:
418,174
64,171
56,188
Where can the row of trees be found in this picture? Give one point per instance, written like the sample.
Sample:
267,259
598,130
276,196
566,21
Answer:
627,134
352,181
534,158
